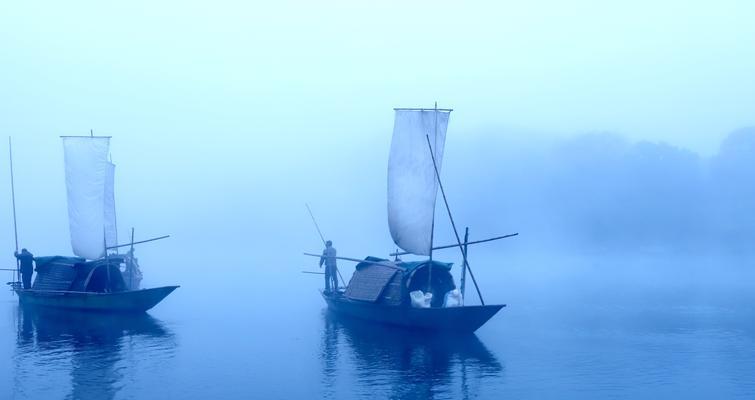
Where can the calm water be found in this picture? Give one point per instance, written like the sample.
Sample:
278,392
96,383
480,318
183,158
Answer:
643,332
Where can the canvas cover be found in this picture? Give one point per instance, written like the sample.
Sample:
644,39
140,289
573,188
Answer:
86,170
412,185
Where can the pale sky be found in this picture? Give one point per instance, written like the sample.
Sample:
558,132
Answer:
676,71
256,107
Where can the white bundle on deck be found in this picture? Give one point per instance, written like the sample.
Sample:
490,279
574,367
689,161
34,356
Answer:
421,299
412,185
87,171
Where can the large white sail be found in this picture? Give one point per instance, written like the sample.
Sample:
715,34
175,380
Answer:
412,186
111,232
86,167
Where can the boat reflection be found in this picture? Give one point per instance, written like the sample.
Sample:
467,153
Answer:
397,363
99,350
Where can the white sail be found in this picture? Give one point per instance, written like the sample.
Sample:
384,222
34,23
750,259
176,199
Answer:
412,186
86,167
111,229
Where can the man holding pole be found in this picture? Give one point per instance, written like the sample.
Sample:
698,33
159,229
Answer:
26,260
329,258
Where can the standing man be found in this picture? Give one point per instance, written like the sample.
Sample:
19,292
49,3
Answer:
329,258
27,266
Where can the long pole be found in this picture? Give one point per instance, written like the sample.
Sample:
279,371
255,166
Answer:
131,262
139,242
315,222
13,196
432,225
453,224
401,253
464,265
323,240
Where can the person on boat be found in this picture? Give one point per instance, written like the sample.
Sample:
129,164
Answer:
329,258
26,260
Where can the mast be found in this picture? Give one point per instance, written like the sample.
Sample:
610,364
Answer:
432,228
13,196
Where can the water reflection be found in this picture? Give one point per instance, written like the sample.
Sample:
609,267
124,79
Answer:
397,363
76,355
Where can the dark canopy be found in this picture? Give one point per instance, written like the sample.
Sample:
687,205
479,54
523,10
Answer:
389,282
59,273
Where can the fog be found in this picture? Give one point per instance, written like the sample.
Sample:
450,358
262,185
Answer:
585,128
618,140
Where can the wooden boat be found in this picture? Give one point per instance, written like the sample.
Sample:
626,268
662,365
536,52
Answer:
380,290
74,283
126,301
108,281
454,319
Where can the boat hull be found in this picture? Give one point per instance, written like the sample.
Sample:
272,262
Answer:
451,319
128,301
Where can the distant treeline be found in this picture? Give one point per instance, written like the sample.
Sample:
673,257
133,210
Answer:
603,189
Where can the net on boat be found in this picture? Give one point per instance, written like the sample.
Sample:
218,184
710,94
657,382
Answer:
412,186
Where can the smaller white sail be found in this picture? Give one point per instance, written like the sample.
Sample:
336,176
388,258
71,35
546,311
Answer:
111,229
86,167
412,185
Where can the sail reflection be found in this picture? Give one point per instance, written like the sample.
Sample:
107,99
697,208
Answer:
398,363
78,355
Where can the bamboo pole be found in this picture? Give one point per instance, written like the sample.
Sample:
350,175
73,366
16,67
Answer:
384,263
139,242
13,197
464,264
424,109
397,253
131,262
432,225
450,216
323,243
107,260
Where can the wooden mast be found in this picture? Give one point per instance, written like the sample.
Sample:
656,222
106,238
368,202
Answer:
432,225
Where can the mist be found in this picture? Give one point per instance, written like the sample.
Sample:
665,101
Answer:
617,140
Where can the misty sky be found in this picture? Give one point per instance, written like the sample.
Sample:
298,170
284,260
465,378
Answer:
672,70
250,105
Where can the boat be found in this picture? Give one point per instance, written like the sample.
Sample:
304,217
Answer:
391,291
97,278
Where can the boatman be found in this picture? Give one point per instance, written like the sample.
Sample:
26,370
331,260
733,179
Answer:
329,258
26,260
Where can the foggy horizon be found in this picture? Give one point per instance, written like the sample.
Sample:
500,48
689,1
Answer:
617,139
